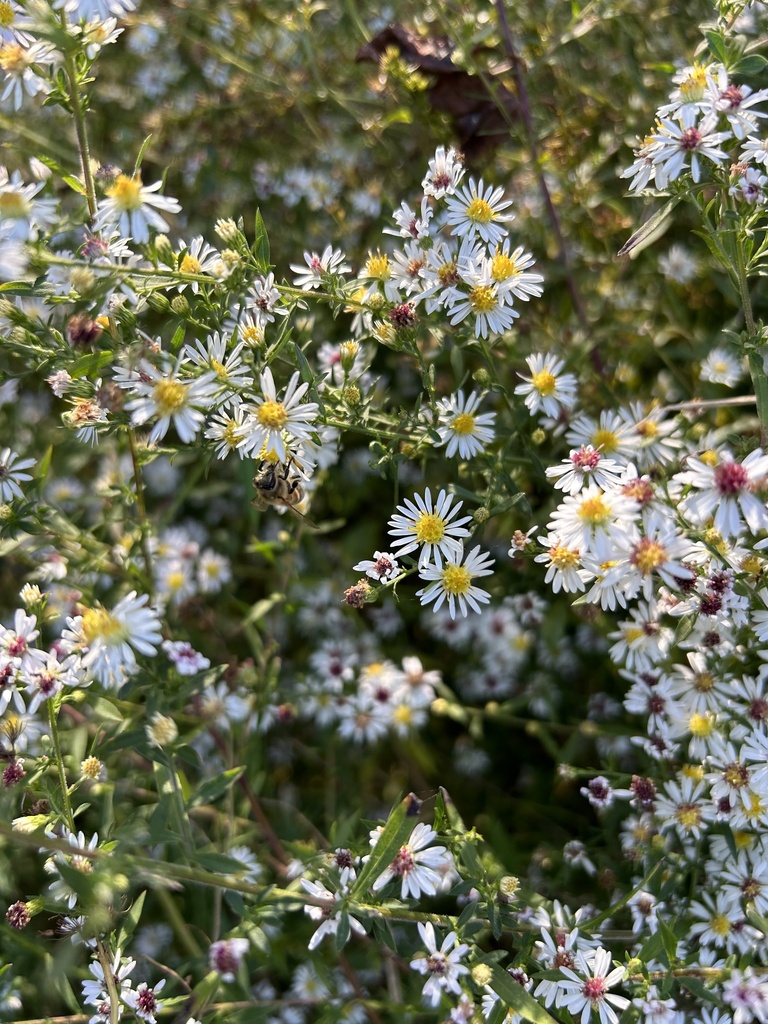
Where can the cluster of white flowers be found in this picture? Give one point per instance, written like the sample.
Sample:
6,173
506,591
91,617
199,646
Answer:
705,111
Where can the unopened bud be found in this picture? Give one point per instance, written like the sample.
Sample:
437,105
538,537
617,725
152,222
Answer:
158,303
180,306
348,351
351,395
359,595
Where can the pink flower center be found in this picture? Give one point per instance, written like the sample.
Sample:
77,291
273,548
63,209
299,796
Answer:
690,139
586,458
731,477
594,989
403,862
733,95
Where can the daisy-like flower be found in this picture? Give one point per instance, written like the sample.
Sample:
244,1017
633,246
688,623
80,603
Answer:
454,581
720,367
547,389
228,430
684,806
231,372
187,660
331,262
13,24
726,488
327,914
584,465
196,258
593,515
18,63
442,966
476,211
484,301
589,989
263,298
446,169
563,562
382,567
421,867
144,1002
107,640
678,264
509,270
47,677
22,215
162,393
751,187
94,992
683,138
410,224
747,995
134,208
429,526
12,474
461,428
270,418
737,102
225,957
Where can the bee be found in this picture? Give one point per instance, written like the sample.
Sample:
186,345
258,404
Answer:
276,485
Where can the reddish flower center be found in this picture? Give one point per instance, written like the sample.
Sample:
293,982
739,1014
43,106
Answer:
730,478
403,862
690,139
594,989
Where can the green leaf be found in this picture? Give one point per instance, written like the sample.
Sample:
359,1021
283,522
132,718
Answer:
684,629
212,789
140,157
342,931
516,998
262,608
752,65
398,828
669,939
130,921
261,243
718,46
653,228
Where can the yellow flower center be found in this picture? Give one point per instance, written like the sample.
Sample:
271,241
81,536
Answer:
605,440
632,633
170,396
175,581
648,429
6,14
688,815
563,557
378,266
648,555
219,369
13,206
99,624
189,265
693,771
447,273
272,415
403,714
479,211
463,424
701,725
756,807
703,681
709,458
594,511
231,436
743,840
126,192
13,59
502,267
482,299
429,528
544,382
720,924
252,335
82,864
695,84
456,579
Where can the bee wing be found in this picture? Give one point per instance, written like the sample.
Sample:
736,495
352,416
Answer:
304,518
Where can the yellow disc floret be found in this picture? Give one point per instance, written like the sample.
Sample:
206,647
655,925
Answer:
544,382
98,624
429,528
463,424
479,211
126,192
456,579
482,299
272,415
169,396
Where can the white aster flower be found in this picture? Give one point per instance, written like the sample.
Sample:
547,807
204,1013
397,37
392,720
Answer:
133,208
161,393
683,138
720,367
446,169
442,966
454,581
327,914
750,187
421,867
584,465
270,418
461,428
12,474
382,567
319,267
726,489
547,389
107,640
18,63
225,957
588,990
476,211
429,526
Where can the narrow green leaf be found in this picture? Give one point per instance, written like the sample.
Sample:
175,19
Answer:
140,157
130,921
752,65
261,243
684,629
398,828
669,939
653,228
516,998
212,789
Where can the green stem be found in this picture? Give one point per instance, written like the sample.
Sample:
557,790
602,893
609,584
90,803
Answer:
141,508
54,726
109,982
78,113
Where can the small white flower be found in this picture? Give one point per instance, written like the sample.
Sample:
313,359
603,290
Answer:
442,966
12,474
132,208
271,417
429,526
420,866
454,581
477,211
547,389
461,428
